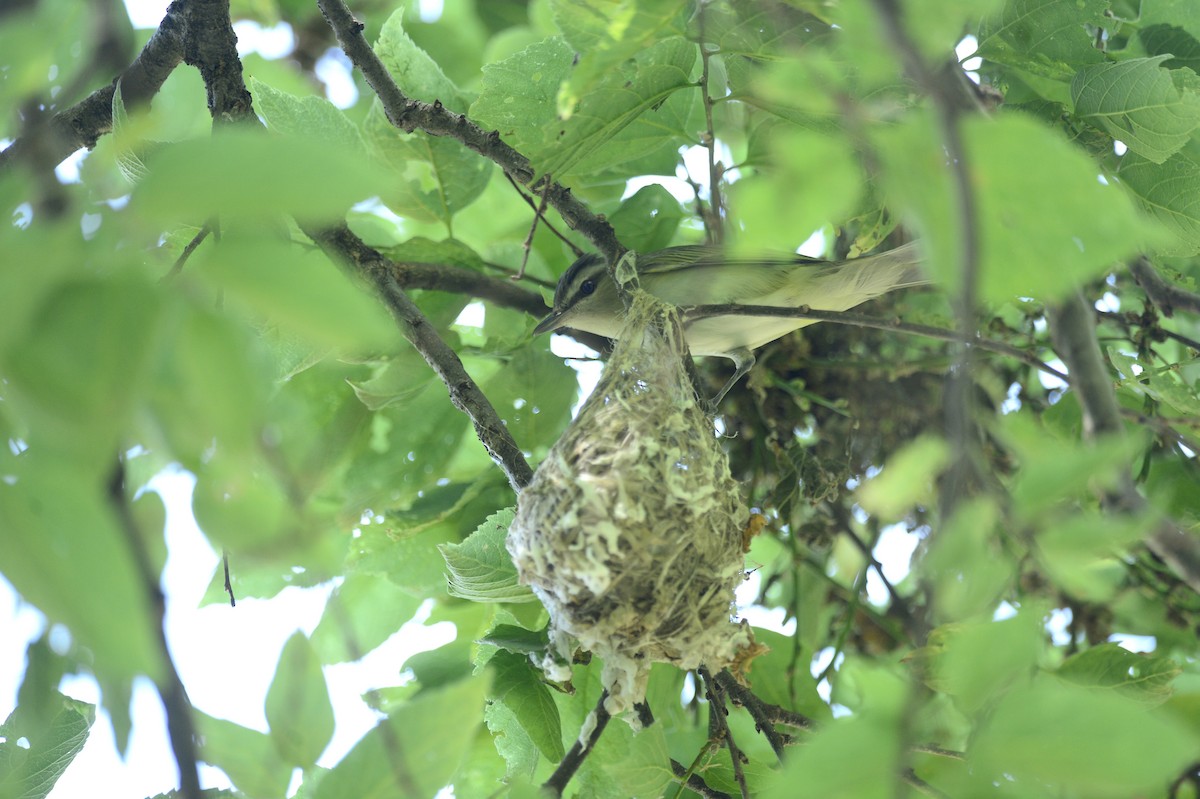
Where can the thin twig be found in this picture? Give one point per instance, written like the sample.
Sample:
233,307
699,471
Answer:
765,715
696,312
200,236
1126,324
228,582
715,216
538,215
719,725
695,782
910,778
529,201
181,727
578,752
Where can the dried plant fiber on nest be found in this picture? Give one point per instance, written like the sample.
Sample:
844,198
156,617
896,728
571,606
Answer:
631,531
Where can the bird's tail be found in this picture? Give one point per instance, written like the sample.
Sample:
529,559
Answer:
851,282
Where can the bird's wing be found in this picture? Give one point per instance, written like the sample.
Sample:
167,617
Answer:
712,277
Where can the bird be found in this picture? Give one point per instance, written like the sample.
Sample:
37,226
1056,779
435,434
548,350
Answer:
586,298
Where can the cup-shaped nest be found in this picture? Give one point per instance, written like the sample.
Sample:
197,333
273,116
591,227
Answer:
631,532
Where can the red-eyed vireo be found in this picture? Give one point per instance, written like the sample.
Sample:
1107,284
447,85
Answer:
587,300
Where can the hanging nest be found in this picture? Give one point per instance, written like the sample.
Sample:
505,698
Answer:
631,532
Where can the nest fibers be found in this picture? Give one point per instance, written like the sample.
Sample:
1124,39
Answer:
631,532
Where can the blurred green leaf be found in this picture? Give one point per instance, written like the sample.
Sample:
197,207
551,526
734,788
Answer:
248,757
1052,732
362,613
906,479
64,551
299,290
299,712
246,174
1045,220
415,751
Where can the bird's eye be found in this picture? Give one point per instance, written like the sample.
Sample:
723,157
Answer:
587,287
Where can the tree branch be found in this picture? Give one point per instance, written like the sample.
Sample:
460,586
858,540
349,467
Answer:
466,395
719,726
180,725
1074,335
765,715
436,120
695,782
1165,296
578,752
46,143
944,89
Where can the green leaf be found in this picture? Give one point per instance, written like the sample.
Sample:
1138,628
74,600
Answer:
519,686
309,116
520,754
417,75
1079,741
851,757
415,751
1054,470
1048,38
208,385
480,568
647,221
533,392
429,178
512,638
1137,102
1144,678
1170,191
53,733
518,100
967,563
1182,47
606,34
248,757
299,712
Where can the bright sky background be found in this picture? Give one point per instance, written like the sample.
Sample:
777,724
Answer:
226,656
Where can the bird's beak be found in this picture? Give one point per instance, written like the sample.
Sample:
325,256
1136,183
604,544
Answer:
551,322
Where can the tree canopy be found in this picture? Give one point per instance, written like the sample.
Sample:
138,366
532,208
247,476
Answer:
252,283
